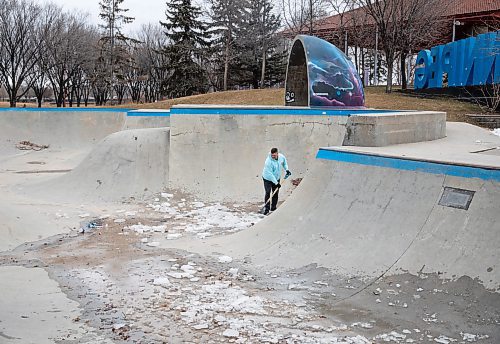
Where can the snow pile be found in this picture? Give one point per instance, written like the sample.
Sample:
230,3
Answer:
225,259
444,340
199,218
496,131
139,228
220,217
391,337
469,337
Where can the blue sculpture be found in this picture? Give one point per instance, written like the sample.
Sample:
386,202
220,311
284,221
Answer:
473,61
319,74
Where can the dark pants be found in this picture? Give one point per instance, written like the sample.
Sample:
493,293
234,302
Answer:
270,187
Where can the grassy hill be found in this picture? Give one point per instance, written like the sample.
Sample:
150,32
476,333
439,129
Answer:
375,98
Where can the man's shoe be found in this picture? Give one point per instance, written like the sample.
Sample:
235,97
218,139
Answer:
273,209
266,212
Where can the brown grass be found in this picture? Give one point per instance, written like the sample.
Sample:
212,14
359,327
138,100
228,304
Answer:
455,110
272,96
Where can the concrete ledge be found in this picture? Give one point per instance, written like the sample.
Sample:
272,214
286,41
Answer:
386,129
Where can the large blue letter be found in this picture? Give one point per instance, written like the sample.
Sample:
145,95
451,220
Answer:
422,72
436,70
464,61
484,58
448,62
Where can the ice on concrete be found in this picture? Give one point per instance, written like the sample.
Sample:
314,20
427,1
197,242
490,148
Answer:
231,333
139,228
225,259
162,282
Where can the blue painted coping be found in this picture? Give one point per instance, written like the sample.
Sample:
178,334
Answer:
139,113
450,169
275,111
67,109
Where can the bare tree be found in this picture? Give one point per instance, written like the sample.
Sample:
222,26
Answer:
403,25
151,63
300,16
21,32
67,50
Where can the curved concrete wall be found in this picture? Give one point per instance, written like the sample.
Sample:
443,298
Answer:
218,153
72,127
362,215
126,164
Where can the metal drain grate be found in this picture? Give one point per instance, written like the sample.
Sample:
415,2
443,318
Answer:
456,198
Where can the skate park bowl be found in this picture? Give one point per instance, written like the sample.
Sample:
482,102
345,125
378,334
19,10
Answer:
320,75
382,193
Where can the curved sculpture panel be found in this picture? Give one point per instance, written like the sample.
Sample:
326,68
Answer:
319,74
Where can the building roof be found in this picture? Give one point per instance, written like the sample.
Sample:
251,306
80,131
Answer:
458,8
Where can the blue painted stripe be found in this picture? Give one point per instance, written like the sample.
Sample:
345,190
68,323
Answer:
66,109
456,170
274,111
148,114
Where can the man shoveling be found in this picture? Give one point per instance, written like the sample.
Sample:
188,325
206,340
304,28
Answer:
272,179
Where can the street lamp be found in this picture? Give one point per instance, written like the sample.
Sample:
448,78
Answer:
455,23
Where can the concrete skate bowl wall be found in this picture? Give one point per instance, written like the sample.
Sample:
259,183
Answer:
319,74
130,164
71,127
217,153
154,118
366,215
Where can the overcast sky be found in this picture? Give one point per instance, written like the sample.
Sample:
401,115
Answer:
144,11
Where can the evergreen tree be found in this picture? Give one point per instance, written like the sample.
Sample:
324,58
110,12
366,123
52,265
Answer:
262,40
115,53
227,25
188,38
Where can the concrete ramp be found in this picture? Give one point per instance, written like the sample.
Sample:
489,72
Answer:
368,215
367,221
127,164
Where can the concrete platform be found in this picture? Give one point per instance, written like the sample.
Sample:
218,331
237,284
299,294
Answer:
464,144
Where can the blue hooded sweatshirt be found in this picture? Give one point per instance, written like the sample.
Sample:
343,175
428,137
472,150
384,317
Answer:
272,168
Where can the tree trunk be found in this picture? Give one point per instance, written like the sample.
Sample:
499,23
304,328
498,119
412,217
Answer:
356,57
226,64
39,101
365,82
390,65
12,98
404,82
263,70
310,18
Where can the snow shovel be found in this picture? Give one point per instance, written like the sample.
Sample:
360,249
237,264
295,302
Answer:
263,209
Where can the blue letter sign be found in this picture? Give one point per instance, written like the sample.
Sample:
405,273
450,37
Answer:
468,62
